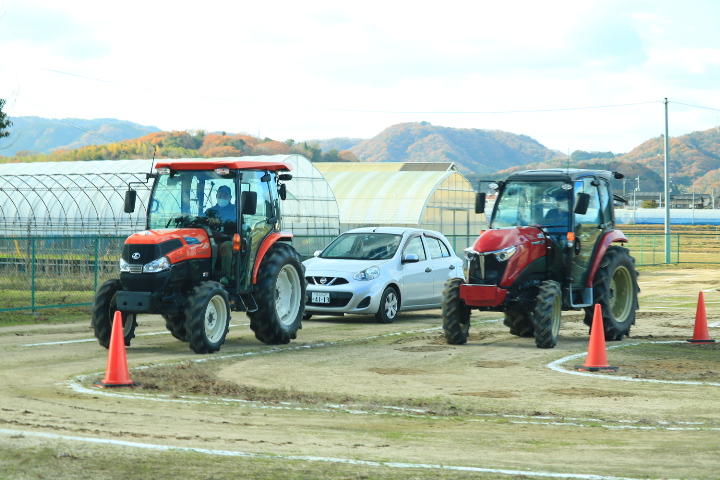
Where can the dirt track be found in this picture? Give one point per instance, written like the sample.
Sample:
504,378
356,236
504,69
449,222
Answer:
515,412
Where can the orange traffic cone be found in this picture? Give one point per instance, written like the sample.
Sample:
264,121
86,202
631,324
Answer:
596,358
116,372
701,333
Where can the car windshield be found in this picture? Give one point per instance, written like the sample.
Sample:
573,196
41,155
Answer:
533,203
363,246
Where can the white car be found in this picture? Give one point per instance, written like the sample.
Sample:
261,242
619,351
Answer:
380,271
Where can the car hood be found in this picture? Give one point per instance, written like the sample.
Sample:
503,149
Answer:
329,266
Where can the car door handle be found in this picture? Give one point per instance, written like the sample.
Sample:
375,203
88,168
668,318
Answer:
428,269
452,267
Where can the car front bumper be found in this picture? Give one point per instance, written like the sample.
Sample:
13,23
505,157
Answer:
361,297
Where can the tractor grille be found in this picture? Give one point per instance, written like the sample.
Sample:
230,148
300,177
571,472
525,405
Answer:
486,270
326,281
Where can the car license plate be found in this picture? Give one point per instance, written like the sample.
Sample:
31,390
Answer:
320,297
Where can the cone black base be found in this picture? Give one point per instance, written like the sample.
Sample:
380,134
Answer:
702,341
113,385
595,369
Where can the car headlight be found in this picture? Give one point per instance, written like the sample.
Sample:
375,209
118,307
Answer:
370,273
157,265
505,254
124,266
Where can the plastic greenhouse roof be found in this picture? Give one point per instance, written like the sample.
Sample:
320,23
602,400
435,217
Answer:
383,197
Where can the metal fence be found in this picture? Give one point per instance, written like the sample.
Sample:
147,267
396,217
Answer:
58,271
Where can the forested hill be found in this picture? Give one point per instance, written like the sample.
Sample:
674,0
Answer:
474,151
185,145
30,135
694,162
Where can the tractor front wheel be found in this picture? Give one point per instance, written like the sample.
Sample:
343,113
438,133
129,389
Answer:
104,311
207,317
547,313
456,315
280,296
615,288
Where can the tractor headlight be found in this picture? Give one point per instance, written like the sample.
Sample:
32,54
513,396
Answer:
124,266
470,256
370,273
505,254
157,265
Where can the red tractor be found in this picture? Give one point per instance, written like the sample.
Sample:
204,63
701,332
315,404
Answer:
212,245
551,246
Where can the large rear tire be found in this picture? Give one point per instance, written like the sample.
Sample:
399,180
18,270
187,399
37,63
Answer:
519,319
104,311
207,317
546,314
176,326
616,289
456,315
280,296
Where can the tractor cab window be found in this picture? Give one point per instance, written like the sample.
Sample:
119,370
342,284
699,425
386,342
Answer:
253,182
606,202
533,203
190,198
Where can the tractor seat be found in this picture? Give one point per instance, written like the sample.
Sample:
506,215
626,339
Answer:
555,216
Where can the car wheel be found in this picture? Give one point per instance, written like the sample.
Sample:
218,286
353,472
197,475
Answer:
389,306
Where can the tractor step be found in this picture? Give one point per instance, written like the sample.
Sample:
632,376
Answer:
586,299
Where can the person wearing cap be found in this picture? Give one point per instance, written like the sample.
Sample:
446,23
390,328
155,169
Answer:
226,214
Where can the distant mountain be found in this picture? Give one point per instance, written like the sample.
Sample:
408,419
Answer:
694,162
339,144
474,151
45,135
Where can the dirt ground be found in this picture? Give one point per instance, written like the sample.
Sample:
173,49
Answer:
352,389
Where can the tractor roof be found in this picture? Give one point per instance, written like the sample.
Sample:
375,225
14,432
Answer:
557,174
213,163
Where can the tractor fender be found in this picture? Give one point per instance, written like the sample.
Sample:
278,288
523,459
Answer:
267,242
613,236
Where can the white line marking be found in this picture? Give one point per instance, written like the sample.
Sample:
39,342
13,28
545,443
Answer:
556,365
309,458
86,340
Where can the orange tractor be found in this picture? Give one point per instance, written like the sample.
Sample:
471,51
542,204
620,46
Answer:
212,245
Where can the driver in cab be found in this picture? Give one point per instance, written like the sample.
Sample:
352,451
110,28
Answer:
225,213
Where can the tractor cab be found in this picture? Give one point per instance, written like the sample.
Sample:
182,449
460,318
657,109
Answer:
548,248
211,245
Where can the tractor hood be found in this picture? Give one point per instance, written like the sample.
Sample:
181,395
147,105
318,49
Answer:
175,244
501,238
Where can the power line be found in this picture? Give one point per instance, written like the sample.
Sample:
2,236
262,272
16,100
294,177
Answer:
698,106
497,112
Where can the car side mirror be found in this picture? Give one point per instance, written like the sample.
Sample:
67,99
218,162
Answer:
410,258
583,202
282,191
130,197
317,253
249,202
480,202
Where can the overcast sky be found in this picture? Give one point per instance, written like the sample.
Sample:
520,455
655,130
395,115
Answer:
321,69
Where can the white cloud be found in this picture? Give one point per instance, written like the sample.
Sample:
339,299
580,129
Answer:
321,69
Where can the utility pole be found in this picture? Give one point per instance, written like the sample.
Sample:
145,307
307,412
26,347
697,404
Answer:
667,185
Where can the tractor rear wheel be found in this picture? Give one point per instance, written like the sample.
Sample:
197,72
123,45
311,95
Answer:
280,296
519,320
546,314
176,325
616,289
207,317
456,315
104,311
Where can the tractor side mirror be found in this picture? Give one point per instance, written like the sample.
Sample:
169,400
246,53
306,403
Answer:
480,202
583,202
130,197
282,191
410,258
285,177
249,202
